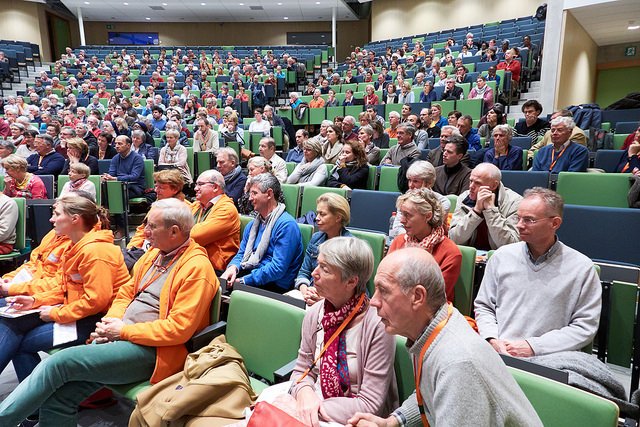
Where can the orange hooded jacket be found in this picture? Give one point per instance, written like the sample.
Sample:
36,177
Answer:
91,272
185,302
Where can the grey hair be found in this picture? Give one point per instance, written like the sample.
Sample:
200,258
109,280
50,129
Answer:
138,132
69,129
408,127
367,129
231,154
349,119
567,121
552,200
7,144
414,271
261,162
454,130
173,132
394,114
83,125
175,212
352,256
269,141
492,170
295,94
266,182
422,170
213,176
425,201
327,122
46,138
172,125
506,129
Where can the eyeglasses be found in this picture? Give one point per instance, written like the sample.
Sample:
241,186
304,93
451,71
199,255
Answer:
202,184
530,221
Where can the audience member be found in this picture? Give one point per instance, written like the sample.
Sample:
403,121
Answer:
127,166
106,151
482,91
259,125
271,249
46,161
577,134
405,147
531,126
205,138
311,170
267,149
517,310
228,164
563,154
20,183
332,148
174,154
365,136
296,154
78,181
456,370
453,176
485,215
351,171
348,126
78,152
504,155
135,342
493,118
451,91
394,121
465,126
630,158
435,156
217,224
510,64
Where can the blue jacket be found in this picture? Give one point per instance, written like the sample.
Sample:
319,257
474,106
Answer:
295,155
148,152
311,257
431,97
474,139
511,162
130,169
235,188
574,159
281,261
51,164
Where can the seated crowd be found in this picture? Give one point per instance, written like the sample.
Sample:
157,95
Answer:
138,306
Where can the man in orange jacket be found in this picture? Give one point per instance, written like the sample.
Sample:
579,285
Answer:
142,336
217,224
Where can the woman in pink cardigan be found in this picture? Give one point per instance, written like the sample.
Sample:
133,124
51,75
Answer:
482,91
355,372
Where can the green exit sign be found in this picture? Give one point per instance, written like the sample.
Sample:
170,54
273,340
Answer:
110,27
630,51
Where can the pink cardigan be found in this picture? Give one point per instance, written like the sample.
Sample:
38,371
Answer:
377,393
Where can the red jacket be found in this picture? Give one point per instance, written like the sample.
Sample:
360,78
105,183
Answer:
514,67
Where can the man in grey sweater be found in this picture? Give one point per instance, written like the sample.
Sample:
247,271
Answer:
462,382
538,296
405,147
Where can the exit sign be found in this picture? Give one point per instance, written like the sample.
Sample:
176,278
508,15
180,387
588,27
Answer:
630,51
110,27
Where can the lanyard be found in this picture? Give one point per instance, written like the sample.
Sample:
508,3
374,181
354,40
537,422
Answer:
417,367
625,167
40,161
159,271
334,336
553,162
200,211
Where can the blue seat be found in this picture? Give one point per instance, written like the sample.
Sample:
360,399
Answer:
602,233
434,143
48,184
103,166
364,202
607,160
519,181
626,127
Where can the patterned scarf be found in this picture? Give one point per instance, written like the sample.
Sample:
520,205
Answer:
428,243
334,372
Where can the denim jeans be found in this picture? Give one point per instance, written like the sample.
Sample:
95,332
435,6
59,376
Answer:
22,338
62,381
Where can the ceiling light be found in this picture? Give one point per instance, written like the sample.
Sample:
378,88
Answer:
203,4
286,17
164,4
279,4
633,27
87,2
126,4
148,19
317,2
241,4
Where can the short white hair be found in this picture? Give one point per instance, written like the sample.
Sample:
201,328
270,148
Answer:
175,212
567,121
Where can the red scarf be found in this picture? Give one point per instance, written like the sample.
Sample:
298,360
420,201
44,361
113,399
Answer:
334,373
428,243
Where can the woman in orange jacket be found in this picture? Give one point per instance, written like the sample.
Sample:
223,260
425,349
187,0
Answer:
90,274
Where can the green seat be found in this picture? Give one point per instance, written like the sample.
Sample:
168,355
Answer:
389,179
265,331
377,243
446,106
278,136
371,179
63,179
621,323
594,189
472,107
311,193
286,112
466,88
290,167
353,110
403,368
130,391
333,112
191,162
303,121
393,142
317,115
20,245
453,199
291,193
560,405
235,145
463,291
148,180
618,140
244,220
116,199
306,231
392,107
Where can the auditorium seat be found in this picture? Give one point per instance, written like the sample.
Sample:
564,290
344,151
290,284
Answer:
595,189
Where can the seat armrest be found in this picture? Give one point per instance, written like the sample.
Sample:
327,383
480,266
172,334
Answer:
205,336
284,373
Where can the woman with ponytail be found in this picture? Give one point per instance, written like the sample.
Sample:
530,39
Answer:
91,272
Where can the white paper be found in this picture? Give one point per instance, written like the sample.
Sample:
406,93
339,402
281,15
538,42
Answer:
8,311
24,275
64,333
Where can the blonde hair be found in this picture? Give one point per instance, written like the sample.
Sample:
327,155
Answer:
90,213
81,168
171,177
425,201
79,144
337,205
259,161
13,161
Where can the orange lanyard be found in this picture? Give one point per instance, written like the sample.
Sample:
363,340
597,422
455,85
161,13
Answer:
334,336
553,162
626,167
40,161
417,367
159,271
